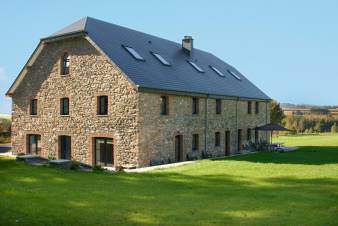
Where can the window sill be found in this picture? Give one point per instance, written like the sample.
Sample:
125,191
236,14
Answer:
67,75
102,115
65,116
33,116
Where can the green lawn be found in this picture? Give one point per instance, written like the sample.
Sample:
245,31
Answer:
299,188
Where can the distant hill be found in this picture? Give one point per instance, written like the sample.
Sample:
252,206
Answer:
5,116
308,106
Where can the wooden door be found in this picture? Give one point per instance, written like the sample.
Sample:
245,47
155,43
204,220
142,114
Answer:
65,147
239,140
178,148
227,143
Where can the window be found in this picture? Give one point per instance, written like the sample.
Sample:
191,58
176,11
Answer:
102,105
64,106
34,107
160,58
235,74
195,105
249,107
257,107
217,71
164,105
248,134
195,66
133,52
65,64
218,106
217,139
195,142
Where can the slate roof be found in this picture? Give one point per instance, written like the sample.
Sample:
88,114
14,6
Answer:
151,73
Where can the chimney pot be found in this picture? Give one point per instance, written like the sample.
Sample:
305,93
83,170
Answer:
187,44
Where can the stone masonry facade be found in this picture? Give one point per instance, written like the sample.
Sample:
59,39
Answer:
141,135
157,132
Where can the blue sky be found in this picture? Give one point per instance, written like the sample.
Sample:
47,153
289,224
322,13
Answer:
289,49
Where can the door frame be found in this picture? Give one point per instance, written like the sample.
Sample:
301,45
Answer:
28,151
92,145
180,157
60,146
239,139
227,140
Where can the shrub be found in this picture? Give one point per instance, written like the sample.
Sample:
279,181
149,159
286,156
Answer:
75,166
97,168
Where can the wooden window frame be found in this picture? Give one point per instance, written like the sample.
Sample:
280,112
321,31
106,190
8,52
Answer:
218,106
33,107
64,69
102,110
249,107
195,105
164,105
62,106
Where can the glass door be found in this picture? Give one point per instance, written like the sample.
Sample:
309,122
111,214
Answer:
104,152
34,144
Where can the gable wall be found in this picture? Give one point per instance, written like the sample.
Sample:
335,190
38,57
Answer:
90,75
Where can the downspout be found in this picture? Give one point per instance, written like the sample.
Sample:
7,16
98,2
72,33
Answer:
266,119
206,123
237,125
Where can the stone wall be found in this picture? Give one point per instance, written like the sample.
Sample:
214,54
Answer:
142,136
157,131
91,74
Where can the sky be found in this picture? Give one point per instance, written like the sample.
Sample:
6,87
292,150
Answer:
289,49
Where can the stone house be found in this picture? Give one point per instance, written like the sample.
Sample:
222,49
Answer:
107,95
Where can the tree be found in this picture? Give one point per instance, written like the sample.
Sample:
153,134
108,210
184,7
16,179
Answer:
318,127
334,128
276,113
301,126
310,130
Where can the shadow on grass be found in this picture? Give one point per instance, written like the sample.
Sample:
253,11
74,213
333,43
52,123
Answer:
35,196
307,155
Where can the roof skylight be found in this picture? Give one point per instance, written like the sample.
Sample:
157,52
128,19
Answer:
133,52
195,66
161,59
217,71
235,74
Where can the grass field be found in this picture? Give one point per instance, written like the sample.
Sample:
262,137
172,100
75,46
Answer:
299,188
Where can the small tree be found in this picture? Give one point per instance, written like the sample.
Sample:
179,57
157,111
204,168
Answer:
334,128
318,127
276,113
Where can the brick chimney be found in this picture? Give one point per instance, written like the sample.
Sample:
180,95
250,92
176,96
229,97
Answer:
187,44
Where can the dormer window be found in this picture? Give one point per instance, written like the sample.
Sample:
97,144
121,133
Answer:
65,64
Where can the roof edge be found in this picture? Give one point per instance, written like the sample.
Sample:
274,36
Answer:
187,93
